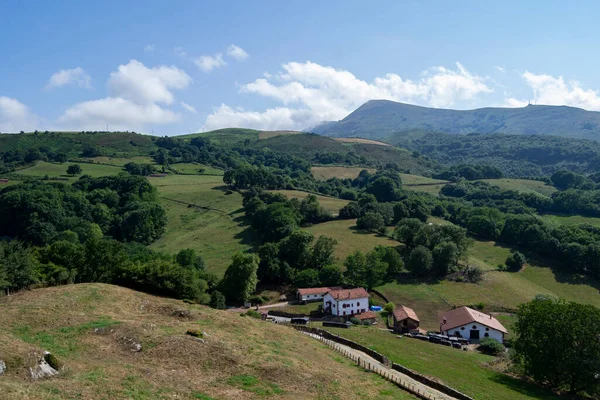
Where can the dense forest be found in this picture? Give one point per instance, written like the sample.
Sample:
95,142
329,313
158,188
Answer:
514,155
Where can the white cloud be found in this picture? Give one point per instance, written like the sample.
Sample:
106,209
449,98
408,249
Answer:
270,119
149,48
552,90
511,102
208,63
15,116
312,93
135,94
237,52
501,69
179,51
189,108
143,85
64,77
118,113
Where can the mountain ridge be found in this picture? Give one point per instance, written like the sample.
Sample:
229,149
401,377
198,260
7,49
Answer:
378,119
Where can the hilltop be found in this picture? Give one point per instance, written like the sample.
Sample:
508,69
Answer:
92,329
378,119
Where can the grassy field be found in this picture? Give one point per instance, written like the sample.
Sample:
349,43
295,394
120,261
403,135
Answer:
92,335
193,169
324,173
331,204
497,291
466,371
522,185
409,179
269,134
431,189
305,309
349,239
53,170
363,141
558,220
227,136
216,231
118,161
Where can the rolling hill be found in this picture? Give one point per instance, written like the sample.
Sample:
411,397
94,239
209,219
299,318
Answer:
116,343
378,119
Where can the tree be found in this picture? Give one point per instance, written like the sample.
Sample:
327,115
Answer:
563,179
322,252
307,278
61,158
420,261
383,188
375,270
240,279
371,221
490,346
19,265
188,258
217,300
295,249
515,261
356,265
74,169
388,310
331,275
406,230
558,342
350,211
445,257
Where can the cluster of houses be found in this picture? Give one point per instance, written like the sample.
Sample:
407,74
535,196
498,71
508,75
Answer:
462,322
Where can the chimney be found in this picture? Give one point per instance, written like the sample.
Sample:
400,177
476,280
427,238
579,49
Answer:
444,321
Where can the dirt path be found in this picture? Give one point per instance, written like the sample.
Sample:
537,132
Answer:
368,362
275,305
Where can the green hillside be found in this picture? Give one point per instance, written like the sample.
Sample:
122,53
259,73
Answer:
73,143
227,136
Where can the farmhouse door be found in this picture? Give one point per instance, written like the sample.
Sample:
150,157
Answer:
474,334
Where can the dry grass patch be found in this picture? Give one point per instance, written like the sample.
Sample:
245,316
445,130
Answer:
89,327
362,141
324,173
269,134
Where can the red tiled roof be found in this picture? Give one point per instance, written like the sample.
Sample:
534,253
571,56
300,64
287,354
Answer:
317,290
349,294
366,315
465,315
401,313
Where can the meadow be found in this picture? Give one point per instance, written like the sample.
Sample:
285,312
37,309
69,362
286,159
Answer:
522,185
195,168
202,216
467,371
324,173
55,170
331,204
349,239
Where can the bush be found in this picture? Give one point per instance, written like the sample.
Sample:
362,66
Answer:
195,333
515,261
355,321
491,346
253,314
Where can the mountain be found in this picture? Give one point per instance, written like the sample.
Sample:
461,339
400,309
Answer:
378,119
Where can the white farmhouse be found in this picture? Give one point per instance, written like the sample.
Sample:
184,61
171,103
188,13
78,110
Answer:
346,302
471,324
314,294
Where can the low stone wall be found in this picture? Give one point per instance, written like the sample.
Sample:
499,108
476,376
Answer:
384,360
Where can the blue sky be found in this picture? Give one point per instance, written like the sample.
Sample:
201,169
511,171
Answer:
180,66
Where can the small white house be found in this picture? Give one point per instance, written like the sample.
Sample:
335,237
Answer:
346,302
471,324
314,294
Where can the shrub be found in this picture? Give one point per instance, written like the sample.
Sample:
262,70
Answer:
515,261
253,314
355,321
195,333
491,346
